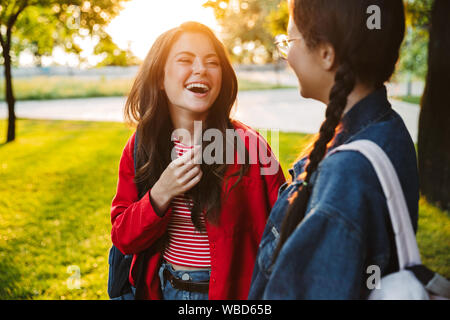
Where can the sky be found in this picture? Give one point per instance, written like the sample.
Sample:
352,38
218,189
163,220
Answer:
142,21
137,26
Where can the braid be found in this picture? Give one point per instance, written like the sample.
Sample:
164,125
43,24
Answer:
344,83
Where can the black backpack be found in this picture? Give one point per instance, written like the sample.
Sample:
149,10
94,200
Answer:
119,287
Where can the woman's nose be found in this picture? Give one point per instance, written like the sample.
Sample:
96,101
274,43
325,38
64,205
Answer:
198,67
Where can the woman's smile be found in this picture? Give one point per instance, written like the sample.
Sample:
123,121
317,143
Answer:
200,89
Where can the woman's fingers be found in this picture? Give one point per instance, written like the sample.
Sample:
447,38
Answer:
191,156
185,158
191,183
181,174
184,172
191,160
186,177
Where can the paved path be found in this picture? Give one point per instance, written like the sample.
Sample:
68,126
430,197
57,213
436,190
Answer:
282,109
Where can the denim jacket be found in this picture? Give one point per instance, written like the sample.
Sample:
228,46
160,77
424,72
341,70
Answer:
346,227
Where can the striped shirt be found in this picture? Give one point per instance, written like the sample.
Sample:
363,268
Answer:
186,246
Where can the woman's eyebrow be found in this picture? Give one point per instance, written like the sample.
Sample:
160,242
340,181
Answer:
193,55
185,52
211,55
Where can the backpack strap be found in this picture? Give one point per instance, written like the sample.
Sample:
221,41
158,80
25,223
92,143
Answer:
405,240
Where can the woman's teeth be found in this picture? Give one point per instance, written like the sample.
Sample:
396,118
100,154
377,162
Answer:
197,87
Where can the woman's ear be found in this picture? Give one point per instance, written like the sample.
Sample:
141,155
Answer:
327,56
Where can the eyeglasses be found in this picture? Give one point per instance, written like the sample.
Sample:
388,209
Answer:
283,44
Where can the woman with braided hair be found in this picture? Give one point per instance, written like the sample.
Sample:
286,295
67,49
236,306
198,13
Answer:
331,222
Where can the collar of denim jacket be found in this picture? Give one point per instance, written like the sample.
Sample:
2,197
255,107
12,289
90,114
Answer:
365,112
297,169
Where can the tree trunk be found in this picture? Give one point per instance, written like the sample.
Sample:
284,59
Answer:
11,134
434,120
9,94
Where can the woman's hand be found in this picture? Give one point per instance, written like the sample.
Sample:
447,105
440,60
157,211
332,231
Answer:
180,175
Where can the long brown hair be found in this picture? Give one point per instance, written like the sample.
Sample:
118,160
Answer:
147,107
363,55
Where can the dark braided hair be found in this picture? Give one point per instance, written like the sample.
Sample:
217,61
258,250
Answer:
362,55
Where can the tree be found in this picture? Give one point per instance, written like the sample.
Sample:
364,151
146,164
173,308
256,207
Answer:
29,34
278,18
42,24
413,53
114,56
245,28
434,120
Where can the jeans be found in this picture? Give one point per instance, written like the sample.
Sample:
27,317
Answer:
170,293
127,296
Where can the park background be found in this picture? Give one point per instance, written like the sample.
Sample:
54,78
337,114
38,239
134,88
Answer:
67,67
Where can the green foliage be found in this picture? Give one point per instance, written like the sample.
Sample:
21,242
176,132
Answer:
220,8
414,50
413,54
418,12
41,25
114,56
246,27
277,20
30,35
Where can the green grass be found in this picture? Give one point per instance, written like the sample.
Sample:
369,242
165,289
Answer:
58,179
55,87
246,85
433,237
45,88
410,99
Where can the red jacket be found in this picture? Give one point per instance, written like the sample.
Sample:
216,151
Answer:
233,242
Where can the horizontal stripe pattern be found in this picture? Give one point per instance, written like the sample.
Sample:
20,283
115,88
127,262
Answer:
187,246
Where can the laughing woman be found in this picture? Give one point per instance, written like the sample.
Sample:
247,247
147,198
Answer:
331,223
202,221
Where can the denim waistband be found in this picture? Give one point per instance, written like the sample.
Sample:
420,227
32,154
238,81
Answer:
194,275
170,293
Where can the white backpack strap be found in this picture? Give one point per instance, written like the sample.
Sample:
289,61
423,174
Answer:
405,240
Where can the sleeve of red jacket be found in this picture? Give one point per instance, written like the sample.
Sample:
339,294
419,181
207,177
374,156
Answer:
273,184
135,224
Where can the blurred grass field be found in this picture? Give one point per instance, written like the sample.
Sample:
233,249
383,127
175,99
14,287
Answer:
57,182
59,87
410,99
